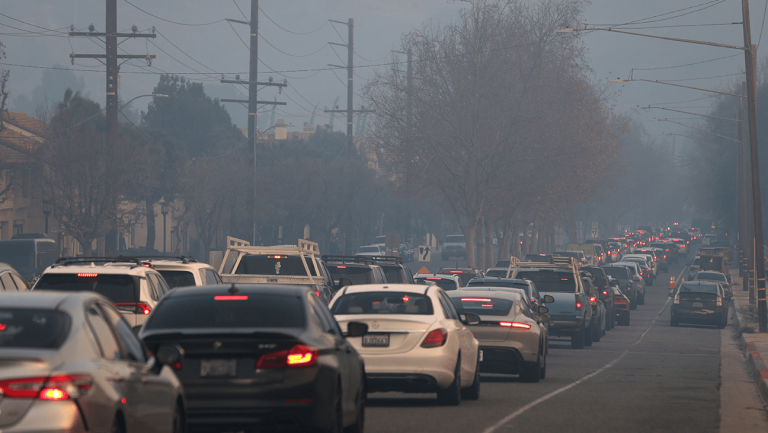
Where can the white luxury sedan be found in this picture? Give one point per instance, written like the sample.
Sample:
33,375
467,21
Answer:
416,340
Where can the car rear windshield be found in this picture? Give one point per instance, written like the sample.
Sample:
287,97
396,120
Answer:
383,303
178,278
710,276
228,311
368,250
358,274
118,288
537,258
496,273
394,274
483,306
456,239
548,281
443,283
33,328
698,288
616,272
254,264
491,283
711,262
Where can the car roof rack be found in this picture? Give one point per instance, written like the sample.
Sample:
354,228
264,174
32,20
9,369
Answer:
183,259
365,260
73,261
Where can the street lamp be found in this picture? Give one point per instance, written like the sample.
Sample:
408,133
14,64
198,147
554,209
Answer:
164,208
46,212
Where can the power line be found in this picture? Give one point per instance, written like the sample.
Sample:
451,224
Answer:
173,22
649,20
32,25
687,64
286,30
763,24
680,26
241,11
289,54
702,78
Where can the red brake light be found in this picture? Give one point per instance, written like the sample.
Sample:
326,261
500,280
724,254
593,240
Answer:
135,307
578,302
277,256
456,272
317,293
230,298
341,267
542,255
406,299
517,325
475,300
436,338
54,388
592,299
87,275
2,326
297,357
434,278
605,292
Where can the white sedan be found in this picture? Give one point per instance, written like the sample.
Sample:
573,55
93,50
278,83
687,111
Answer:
416,340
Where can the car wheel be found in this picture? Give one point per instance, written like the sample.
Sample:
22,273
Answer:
178,420
117,425
452,395
577,339
531,371
633,304
597,332
473,392
673,321
588,333
641,301
359,424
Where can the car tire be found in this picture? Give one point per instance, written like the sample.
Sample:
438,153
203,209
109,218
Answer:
641,301
531,371
597,332
624,320
117,425
452,395
633,304
473,392
674,322
588,332
178,420
544,367
577,339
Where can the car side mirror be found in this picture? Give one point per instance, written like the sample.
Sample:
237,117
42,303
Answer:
543,310
548,299
344,282
544,318
471,319
169,354
356,329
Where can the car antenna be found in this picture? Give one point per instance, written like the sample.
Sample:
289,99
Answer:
232,290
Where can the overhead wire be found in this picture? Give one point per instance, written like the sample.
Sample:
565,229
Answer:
174,22
241,11
649,20
701,78
289,31
289,54
688,64
763,24
32,25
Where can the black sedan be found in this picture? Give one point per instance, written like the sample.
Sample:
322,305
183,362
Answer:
261,357
699,302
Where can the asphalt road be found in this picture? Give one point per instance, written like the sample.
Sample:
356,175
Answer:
641,378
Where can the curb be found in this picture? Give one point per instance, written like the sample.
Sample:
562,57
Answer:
754,361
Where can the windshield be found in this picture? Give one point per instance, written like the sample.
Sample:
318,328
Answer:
178,278
549,281
358,275
394,274
454,239
711,262
242,311
616,272
33,328
383,303
254,264
443,283
20,255
497,273
484,306
700,288
368,250
117,288
714,276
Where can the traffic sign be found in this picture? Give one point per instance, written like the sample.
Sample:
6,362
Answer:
57,229
595,224
595,233
425,253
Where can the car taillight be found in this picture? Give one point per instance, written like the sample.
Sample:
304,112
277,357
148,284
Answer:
665,256
677,299
578,302
605,292
516,325
719,301
436,338
296,357
593,300
54,388
317,293
135,307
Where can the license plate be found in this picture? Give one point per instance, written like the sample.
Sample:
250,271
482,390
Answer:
698,304
481,356
376,340
218,368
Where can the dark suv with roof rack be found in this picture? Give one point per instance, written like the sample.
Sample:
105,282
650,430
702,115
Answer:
354,270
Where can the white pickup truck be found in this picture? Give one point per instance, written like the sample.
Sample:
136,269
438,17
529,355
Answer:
293,265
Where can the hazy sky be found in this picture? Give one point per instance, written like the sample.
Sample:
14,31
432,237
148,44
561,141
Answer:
204,52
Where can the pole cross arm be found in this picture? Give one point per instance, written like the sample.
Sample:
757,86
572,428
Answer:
119,35
346,111
119,56
245,101
259,83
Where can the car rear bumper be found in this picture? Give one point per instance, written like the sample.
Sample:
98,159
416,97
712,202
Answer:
50,417
499,359
401,382
690,315
436,365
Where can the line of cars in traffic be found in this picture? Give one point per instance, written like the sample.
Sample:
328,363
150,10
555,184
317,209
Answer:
276,336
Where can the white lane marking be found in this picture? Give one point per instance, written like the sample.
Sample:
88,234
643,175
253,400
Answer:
540,400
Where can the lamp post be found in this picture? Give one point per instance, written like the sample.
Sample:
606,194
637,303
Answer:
164,208
46,212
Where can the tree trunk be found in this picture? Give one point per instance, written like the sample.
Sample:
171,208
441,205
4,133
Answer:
489,243
469,238
87,248
480,242
504,250
149,205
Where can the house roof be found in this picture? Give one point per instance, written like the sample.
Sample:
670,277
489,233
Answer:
20,134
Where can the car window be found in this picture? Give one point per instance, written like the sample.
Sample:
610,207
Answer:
124,334
26,328
176,279
322,320
153,291
484,306
20,284
162,285
102,332
383,303
452,311
211,277
10,286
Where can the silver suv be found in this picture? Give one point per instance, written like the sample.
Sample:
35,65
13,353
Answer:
182,271
132,285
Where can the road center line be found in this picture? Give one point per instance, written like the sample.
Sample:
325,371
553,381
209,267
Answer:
540,400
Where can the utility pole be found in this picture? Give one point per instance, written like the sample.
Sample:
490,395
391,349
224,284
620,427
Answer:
253,100
751,70
111,57
350,84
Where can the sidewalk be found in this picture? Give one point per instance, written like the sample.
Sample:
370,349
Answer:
755,345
